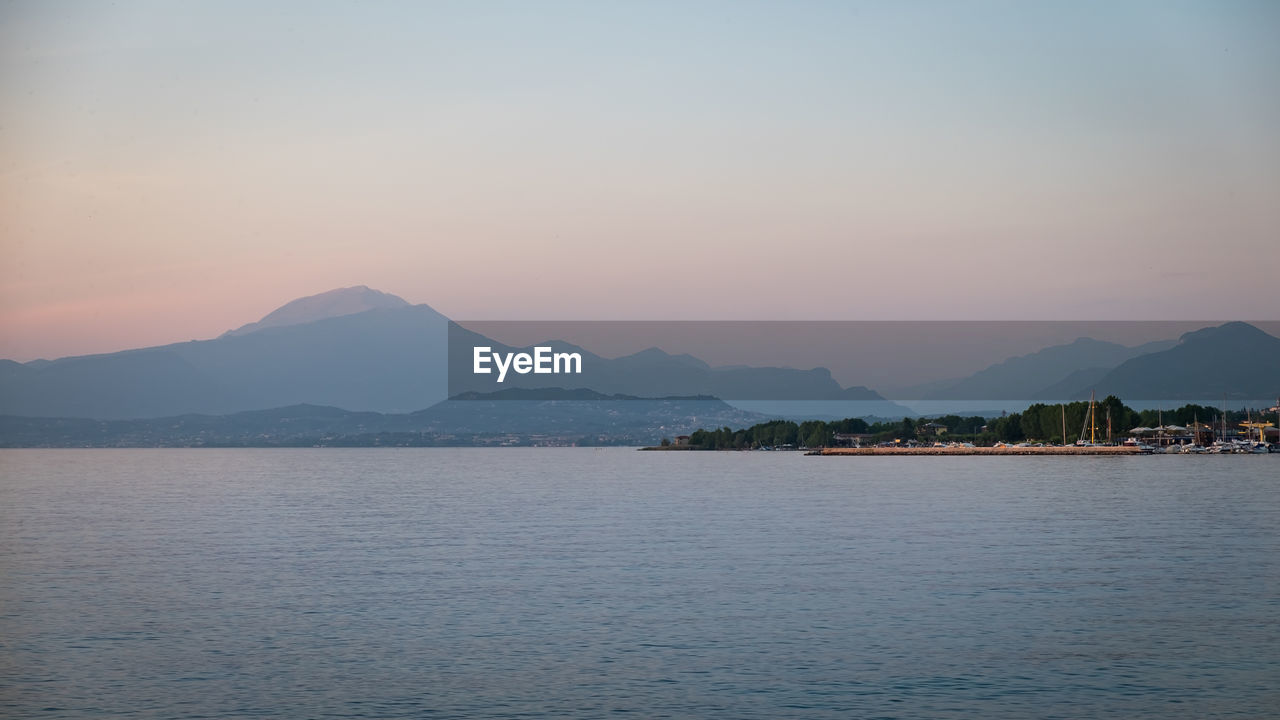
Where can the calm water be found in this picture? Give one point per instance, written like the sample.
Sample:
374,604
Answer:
579,583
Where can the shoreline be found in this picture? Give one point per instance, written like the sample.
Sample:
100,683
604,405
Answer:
1111,450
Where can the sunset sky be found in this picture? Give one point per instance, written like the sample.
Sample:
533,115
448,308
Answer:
169,171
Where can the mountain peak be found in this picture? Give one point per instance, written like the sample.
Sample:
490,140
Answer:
1227,331
1207,364
334,303
1233,332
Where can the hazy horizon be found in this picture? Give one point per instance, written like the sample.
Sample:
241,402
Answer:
169,172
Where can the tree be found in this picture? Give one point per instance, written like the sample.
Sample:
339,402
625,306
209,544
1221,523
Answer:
1008,428
815,433
907,429
850,425
1029,422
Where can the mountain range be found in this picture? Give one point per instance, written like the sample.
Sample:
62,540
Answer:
1040,375
366,351
386,360
1234,361
361,350
650,373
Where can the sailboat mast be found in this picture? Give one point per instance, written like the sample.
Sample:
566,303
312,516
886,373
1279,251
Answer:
1224,418
1064,419
1093,421
1088,423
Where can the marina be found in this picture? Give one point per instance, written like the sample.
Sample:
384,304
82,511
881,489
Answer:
1165,439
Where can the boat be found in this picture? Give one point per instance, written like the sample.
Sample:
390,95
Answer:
1090,424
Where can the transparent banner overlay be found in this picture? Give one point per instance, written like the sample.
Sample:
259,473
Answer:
869,367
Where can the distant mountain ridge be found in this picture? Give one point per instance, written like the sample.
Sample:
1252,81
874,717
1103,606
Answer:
1235,361
1029,376
385,360
649,373
394,358
326,350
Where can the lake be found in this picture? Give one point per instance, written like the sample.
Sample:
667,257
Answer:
577,583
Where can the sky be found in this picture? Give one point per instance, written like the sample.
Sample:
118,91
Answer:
169,171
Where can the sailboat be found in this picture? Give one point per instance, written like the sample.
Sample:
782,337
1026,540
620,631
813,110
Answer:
1222,444
1196,430
1090,423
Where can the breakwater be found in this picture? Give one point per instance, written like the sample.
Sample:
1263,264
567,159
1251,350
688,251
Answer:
1007,450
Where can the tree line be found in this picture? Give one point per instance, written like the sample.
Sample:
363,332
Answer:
1040,422
818,433
1044,423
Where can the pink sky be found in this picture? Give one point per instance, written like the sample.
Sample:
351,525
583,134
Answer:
167,174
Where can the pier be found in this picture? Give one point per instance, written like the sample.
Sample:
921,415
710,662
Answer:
1006,450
